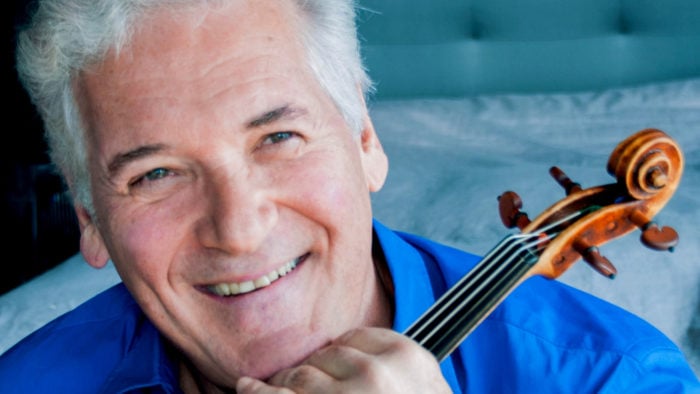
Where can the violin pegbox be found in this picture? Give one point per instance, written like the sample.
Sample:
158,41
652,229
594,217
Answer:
647,165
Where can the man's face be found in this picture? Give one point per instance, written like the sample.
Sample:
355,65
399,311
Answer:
218,164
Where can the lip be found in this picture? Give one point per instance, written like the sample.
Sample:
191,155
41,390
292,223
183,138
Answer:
235,289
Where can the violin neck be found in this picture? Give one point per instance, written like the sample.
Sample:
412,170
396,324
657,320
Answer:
457,313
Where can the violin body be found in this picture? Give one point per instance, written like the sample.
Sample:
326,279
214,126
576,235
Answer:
647,167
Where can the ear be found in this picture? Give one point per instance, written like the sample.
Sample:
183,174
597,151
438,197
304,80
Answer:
374,160
92,245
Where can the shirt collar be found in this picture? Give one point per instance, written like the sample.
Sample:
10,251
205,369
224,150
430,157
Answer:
418,282
414,292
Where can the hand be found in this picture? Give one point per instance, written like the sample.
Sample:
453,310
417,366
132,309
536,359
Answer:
364,360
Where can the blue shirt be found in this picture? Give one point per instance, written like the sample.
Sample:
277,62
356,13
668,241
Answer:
545,337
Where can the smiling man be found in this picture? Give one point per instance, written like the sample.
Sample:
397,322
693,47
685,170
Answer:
221,156
220,167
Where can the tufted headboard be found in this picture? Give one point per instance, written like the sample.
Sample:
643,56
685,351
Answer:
417,48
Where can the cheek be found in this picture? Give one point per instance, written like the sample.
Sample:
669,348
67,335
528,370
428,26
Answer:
140,246
326,188
143,239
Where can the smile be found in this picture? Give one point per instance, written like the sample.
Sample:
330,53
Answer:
235,288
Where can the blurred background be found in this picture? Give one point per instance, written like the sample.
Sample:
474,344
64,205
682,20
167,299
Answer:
39,229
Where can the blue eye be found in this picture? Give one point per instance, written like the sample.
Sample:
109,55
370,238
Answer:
277,137
156,174
151,176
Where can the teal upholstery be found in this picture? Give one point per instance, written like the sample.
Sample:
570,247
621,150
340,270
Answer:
415,48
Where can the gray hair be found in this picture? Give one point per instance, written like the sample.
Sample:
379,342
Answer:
66,36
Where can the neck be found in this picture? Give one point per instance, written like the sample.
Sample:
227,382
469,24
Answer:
193,382
383,289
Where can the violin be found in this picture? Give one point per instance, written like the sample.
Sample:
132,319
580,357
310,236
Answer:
647,166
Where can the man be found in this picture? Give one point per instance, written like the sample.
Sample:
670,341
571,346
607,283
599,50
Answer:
222,157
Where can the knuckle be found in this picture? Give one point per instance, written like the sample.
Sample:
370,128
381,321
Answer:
404,347
300,377
373,370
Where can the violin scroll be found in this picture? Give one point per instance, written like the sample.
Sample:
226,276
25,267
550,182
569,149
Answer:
647,166
647,163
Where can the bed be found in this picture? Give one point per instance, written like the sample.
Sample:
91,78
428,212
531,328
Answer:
478,97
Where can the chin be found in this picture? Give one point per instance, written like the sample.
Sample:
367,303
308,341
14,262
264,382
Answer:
266,359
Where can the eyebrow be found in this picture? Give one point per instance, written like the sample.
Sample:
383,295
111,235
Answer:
283,112
120,160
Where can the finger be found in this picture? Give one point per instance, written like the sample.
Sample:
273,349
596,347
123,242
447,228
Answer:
341,362
382,353
365,351
376,341
304,379
246,385
367,339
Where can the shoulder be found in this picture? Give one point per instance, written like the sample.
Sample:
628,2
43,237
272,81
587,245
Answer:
548,329
76,351
547,325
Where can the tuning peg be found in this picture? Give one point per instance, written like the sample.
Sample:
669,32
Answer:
653,237
563,180
664,238
600,263
509,204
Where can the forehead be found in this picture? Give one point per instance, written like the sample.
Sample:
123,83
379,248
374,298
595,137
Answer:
201,37
193,54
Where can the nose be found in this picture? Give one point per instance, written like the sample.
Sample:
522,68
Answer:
239,213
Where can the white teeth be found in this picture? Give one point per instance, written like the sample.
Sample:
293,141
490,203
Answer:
223,289
262,281
226,289
246,287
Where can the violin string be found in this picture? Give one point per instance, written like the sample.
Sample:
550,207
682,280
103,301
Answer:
456,304
446,304
458,289
464,323
460,325
449,299
456,294
479,274
442,338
